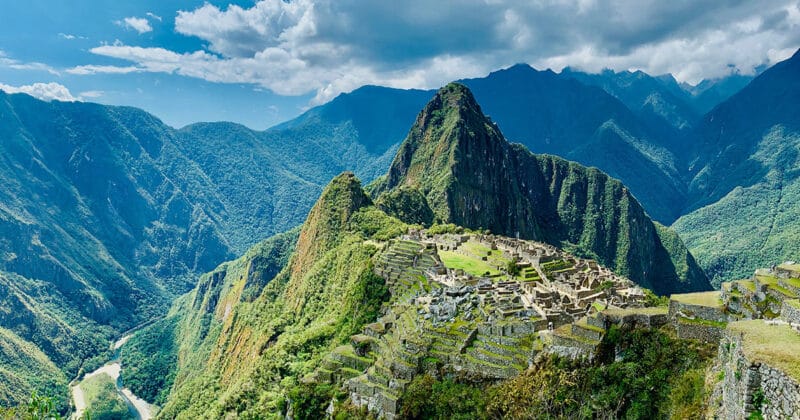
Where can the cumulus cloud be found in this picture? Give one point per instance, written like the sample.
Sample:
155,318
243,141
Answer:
44,91
140,25
328,46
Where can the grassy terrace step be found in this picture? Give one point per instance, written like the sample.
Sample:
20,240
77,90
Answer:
791,284
385,390
565,332
774,283
504,369
710,299
516,353
775,345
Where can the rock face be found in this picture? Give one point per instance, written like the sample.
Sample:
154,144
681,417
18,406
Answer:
750,386
460,162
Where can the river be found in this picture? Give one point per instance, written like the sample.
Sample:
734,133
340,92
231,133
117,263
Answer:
139,408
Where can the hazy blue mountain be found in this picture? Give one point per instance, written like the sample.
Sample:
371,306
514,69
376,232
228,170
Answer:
658,101
711,92
744,196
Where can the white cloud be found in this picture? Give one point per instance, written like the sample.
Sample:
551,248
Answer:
70,37
6,61
91,94
140,25
44,91
327,46
93,69
154,16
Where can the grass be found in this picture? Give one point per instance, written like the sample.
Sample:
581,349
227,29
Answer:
772,283
102,399
795,303
775,345
793,282
701,321
470,265
655,310
711,299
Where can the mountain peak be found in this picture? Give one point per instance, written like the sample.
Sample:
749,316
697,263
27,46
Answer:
328,219
449,128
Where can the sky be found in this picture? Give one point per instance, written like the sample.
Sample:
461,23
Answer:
263,62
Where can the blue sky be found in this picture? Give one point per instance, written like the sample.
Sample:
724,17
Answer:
262,62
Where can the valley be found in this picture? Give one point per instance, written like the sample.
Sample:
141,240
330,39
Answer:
137,408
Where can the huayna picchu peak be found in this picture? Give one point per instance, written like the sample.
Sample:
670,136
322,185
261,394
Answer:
471,176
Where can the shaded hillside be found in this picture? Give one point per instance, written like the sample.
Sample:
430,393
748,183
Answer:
745,193
359,131
559,115
249,335
659,102
471,176
709,93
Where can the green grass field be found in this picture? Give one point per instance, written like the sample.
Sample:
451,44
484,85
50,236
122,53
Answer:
471,265
701,299
775,345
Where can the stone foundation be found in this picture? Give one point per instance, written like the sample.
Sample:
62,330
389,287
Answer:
746,382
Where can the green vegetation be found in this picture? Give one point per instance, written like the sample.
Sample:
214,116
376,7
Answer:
407,204
657,376
775,345
710,299
23,367
102,399
429,398
38,407
150,359
248,357
511,267
469,264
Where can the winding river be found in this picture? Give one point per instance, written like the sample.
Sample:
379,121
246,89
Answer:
139,408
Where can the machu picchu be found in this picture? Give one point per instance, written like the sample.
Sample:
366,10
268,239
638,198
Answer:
455,307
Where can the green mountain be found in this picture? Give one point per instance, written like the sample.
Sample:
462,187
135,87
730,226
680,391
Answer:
744,194
458,160
254,326
557,114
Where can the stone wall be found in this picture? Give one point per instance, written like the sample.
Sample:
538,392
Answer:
710,313
790,313
746,382
691,331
